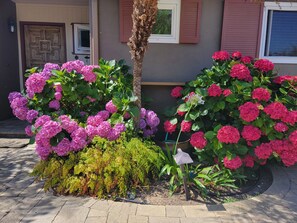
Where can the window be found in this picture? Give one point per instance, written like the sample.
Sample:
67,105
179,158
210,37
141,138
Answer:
279,32
81,39
166,28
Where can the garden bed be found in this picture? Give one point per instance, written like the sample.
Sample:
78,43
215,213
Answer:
159,194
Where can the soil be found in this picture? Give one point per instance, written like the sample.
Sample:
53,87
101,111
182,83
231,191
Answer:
158,193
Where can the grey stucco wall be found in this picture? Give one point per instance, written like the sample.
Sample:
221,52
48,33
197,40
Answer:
9,70
165,62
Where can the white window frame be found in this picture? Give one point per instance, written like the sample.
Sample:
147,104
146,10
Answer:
77,46
175,6
280,6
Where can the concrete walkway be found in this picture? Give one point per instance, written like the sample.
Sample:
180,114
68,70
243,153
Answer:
22,200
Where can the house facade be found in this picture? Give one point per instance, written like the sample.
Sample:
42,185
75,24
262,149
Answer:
183,41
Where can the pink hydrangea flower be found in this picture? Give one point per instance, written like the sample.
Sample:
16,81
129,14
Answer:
198,140
293,138
261,94
28,130
227,92
95,120
63,148
103,129
251,133
31,115
42,152
168,127
58,96
58,87
263,151
87,72
110,107
50,129
247,59
249,111
176,92
152,119
104,115
186,126
228,134
241,72
280,127
220,56
55,104
214,90
290,117
41,120
68,124
75,65
276,110
19,102
48,68
142,112
236,55
21,113
264,65
13,95
35,83
232,164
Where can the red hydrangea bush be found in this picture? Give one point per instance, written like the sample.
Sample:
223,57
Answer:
248,114
68,106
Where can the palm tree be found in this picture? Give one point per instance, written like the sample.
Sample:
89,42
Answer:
144,17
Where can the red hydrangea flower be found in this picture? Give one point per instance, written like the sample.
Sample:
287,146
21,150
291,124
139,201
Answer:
198,140
228,134
286,151
248,161
263,151
280,127
293,138
185,126
168,127
220,56
264,65
176,92
281,79
246,59
227,92
180,113
251,133
276,110
241,72
290,117
236,55
232,164
214,90
249,111
261,94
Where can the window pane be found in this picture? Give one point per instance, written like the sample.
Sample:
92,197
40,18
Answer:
283,38
163,22
85,38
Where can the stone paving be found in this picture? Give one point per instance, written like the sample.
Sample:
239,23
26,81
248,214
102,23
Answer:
22,200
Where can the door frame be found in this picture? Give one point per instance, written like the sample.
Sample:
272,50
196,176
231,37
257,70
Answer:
22,39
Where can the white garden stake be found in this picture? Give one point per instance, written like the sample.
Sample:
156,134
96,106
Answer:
181,158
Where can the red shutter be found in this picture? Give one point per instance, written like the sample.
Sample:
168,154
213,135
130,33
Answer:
190,21
126,9
242,27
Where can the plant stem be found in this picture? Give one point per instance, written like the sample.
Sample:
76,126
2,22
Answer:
174,151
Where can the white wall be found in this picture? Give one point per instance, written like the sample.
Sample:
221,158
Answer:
53,13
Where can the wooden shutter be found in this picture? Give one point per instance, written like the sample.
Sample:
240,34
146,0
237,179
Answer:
242,24
190,21
126,9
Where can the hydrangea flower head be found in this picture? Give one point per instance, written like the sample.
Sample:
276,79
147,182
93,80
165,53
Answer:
249,111
110,107
264,65
228,134
220,56
35,83
232,164
198,140
87,72
176,92
241,72
214,90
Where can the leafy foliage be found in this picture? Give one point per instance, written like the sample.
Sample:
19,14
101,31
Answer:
106,168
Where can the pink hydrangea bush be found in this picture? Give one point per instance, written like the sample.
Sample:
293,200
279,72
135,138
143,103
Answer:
248,115
68,106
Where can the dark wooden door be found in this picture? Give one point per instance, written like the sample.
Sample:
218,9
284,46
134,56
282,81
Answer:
43,43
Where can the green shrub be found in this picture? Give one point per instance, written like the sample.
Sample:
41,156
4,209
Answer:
105,168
